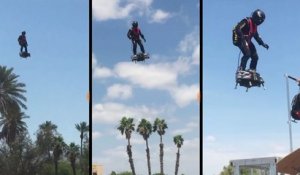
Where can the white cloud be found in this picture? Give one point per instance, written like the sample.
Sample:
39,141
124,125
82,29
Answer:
105,10
192,143
189,127
161,76
193,124
134,140
94,61
111,113
98,70
210,138
120,9
142,6
154,76
102,72
181,131
189,42
190,46
160,16
181,65
116,9
196,56
184,95
96,135
119,91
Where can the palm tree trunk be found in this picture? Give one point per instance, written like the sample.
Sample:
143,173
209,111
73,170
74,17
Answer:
129,152
73,168
161,156
177,162
55,167
148,157
81,138
80,160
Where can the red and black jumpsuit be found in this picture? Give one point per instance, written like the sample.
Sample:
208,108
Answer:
243,33
23,43
134,34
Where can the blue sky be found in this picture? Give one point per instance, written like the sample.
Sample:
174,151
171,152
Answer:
239,124
164,86
57,73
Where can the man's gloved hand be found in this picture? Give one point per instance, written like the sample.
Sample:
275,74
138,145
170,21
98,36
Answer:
144,39
265,46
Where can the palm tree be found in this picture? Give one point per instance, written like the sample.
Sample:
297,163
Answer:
85,159
11,91
12,124
178,140
45,137
127,126
58,148
73,153
160,126
82,128
145,129
113,173
11,100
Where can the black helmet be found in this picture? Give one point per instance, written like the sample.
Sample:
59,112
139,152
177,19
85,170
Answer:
135,24
23,33
258,16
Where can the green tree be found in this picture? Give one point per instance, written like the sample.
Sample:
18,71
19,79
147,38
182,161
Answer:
23,160
145,129
125,173
160,127
227,170
127,126
85,157
178,140
58,149
113,173
73,153
11,91
45,137
12,124
83,128
11,102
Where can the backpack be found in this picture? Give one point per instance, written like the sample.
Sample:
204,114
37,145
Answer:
235,37
252,30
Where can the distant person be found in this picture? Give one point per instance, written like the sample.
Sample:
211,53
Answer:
134,35
242,35
23,42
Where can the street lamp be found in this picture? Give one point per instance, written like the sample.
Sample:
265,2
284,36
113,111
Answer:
289,108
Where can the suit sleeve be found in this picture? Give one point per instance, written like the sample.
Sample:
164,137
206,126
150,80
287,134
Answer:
129,34
142,35
258,39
